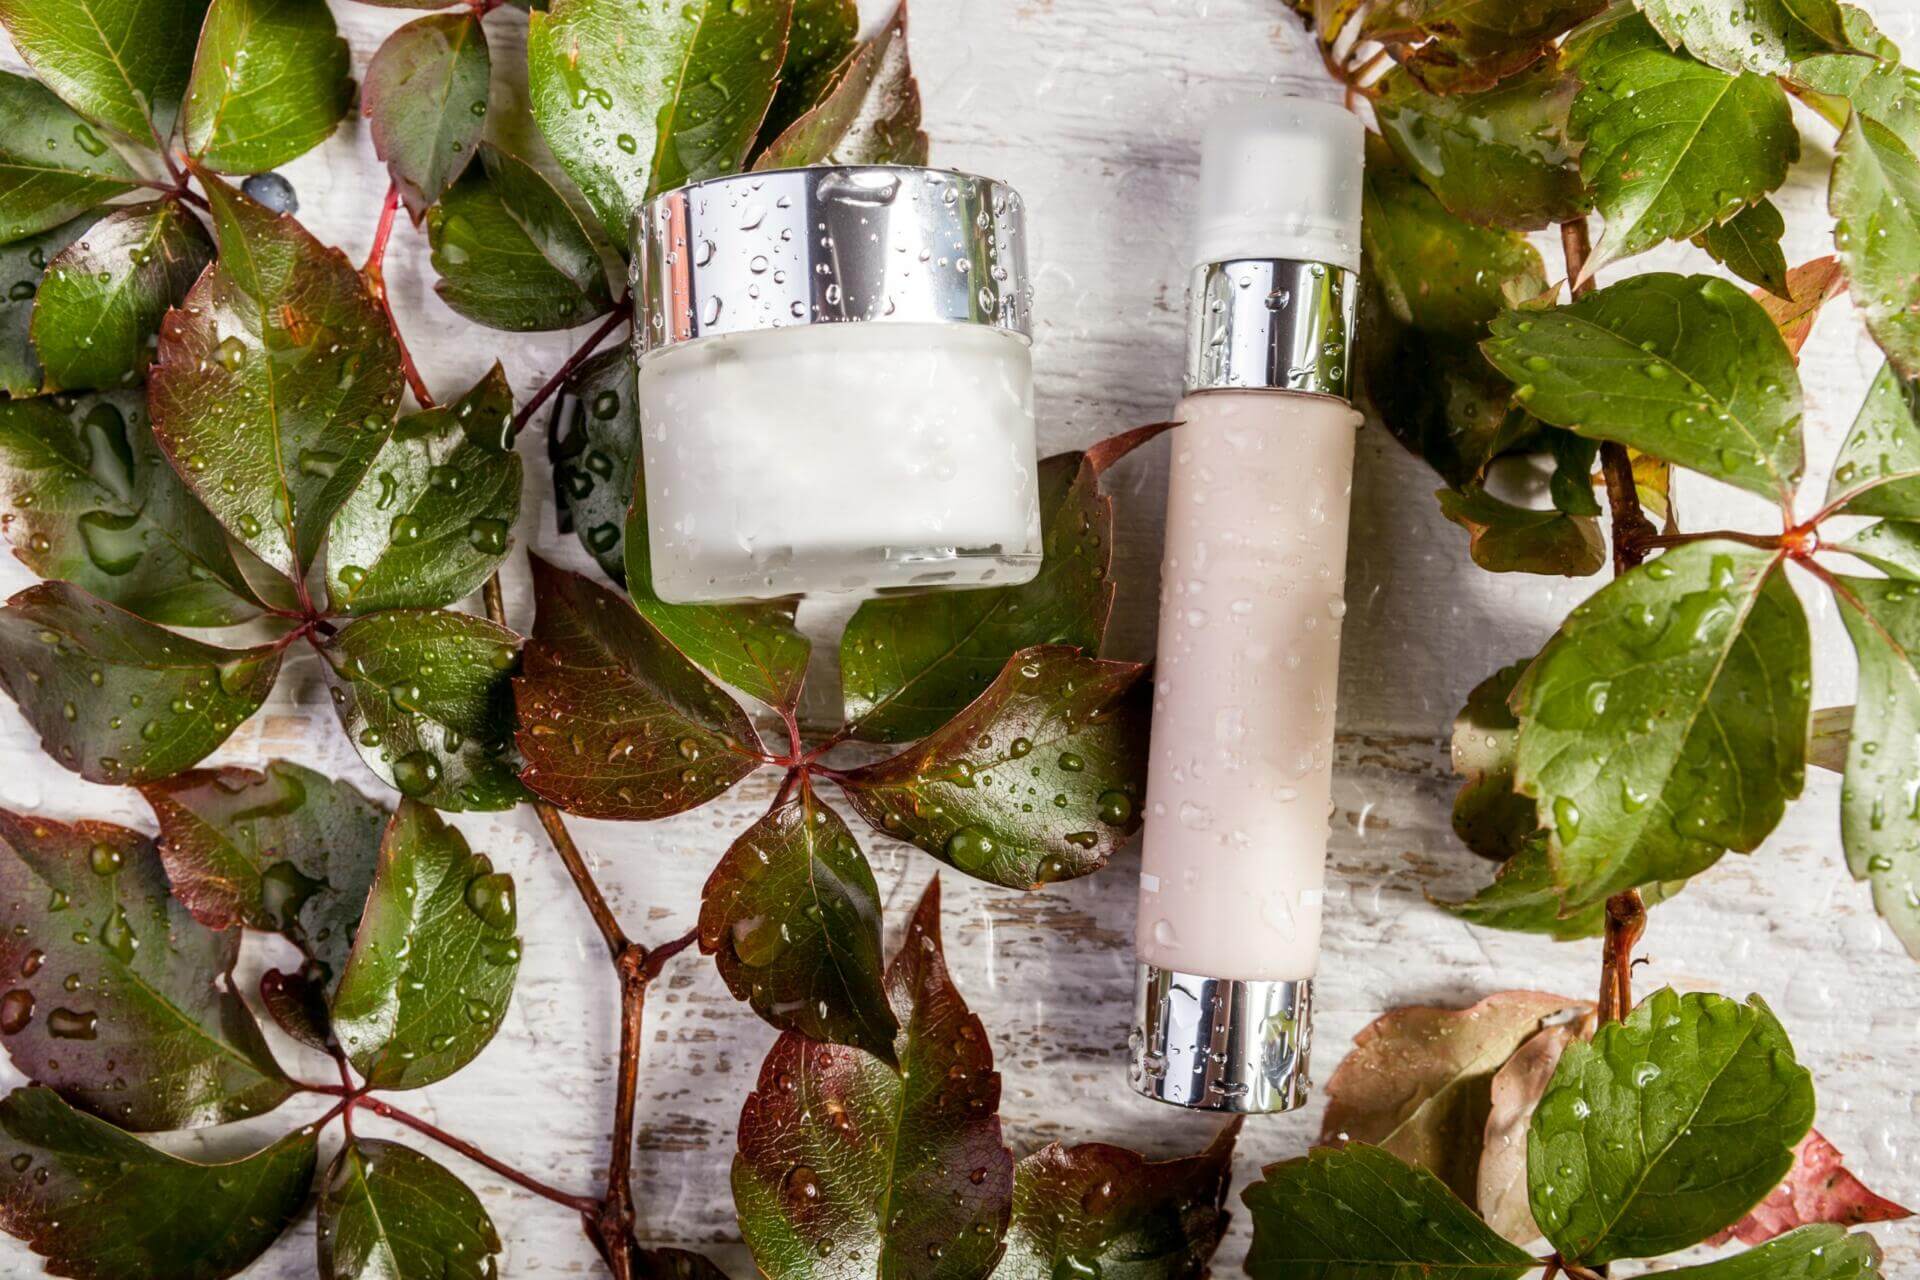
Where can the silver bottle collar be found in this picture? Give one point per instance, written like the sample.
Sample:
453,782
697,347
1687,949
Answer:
1220,1044
1271,323
829,245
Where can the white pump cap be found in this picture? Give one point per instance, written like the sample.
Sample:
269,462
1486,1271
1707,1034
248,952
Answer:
1281,179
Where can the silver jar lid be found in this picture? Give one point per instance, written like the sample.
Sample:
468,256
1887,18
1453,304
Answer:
829,245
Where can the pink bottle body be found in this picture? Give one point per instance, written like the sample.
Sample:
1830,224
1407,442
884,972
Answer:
1240,786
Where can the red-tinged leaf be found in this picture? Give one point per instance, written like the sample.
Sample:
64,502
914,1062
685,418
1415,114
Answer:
1811,285
115,995
297,1003
1418,1081
614,721
100,1205
848,1169
425,100
1819,1189
1039,780
1455,46
1097,1210
276,383
870,115
823,33
1515,1092
792,917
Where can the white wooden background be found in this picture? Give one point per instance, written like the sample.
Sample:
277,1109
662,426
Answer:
1092,110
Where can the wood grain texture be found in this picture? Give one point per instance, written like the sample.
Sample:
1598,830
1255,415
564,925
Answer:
1092,110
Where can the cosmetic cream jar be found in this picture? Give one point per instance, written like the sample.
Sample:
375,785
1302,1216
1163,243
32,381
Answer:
835,384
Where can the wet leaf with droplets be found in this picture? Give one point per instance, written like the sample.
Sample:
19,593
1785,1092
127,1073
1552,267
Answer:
614,721
433,964
1665,1129
425,99
100,306
1879,816
909,664
1811,1253
117,699
432,517
121,63
23,268
848,1169
425,695
1748,244
1499,1188
509,251
1666,722
100,1205
271,79
1417,1082
593,439
47,174
1096,1210
791,915
1041,779
1357,1212
1488,815
868,114
1503,538
1456,46
279,358
1875,200
823,34
1877,472
113,993
284,849
90,499
1768,37
1671,145
1523,898
1687,368
636,99
1821,1189
389,1213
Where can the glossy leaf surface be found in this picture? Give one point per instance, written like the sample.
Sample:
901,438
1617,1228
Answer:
1821,1189
1764,36
1878,825
270,82
1459,45
1811,1253
1488,816
822,35
593,440
425,100
122,63
1876,178
52,164
1748,244
23,268
869,115
1503,538
115,996
1040,779
1878,470
389,1213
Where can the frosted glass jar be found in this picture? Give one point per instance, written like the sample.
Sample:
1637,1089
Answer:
835,385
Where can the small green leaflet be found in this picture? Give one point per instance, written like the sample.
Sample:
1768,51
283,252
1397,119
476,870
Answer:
1879,824
270,82
53,166
1876,179
425,100
1503,538
1821,1252
1748,244
1878,470
388,1211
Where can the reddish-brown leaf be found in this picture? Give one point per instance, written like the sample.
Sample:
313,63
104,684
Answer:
1812,285
1515,1092
1819,1189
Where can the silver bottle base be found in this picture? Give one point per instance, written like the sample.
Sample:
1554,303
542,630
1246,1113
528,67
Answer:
1220,1044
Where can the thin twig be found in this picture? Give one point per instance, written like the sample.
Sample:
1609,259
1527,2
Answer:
1764,541
375,273
622,312
579,1204
576,864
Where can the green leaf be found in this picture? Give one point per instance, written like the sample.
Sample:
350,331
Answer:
1571,486
510,253
1456,46
433,964
870,114
1357,1213
100,306
614,721
1876,178
593,442
1666,1128
1498,158
432,517
1811,1253
634,99
791,916
99,1205
123,63
1891,546
91,499
1878,821
1766,36
1523,898
1096,1210
1418,1082
1040,779
1503,538
1672,146
1687,368
1748,244
1433,283
425,100
898,1173
270,81
1878,470
23,268
909,664
117,699
1488,816
116,996
1871,80
425,696
753,647
277,382
1666,721
387,1213
286,850
52,164
822,35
